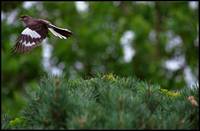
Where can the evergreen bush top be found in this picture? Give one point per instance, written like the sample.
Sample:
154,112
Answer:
107,102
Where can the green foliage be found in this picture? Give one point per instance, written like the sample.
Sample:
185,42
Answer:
97,35
106,102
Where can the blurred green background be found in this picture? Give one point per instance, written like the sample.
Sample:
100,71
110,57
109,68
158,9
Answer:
154,41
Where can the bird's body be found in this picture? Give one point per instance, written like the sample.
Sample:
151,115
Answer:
36,30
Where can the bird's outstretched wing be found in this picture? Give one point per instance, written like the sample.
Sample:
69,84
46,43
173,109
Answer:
59,32
29,39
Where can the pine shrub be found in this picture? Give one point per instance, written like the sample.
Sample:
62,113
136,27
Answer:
107,102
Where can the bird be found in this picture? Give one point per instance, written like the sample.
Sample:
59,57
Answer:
36,30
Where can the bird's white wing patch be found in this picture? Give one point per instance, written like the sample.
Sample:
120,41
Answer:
57,34
31,33
28,44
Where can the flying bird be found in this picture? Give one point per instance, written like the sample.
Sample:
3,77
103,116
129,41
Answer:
35,31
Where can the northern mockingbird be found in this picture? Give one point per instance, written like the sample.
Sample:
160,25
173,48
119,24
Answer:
36,30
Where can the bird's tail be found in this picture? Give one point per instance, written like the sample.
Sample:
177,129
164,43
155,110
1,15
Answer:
59,32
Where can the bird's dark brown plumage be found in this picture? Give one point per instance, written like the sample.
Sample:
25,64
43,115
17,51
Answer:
36,30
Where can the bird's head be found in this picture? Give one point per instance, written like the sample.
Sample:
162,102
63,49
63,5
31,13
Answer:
25,18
